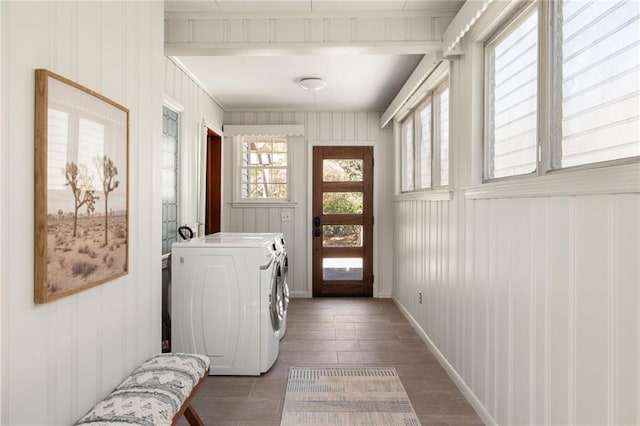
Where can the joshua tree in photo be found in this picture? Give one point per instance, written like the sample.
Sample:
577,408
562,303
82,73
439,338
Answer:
78,178
107,172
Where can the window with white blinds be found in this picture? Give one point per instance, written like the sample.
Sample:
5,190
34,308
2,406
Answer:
425,142
512,88
407,155
589,99
600,45
423,139
443,131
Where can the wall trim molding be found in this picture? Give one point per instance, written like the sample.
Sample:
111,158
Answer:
302,14
477,405
263,204
302,48
461,24
193,78
438,194
416,81
621,179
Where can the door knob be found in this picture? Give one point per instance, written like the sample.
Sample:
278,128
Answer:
317,232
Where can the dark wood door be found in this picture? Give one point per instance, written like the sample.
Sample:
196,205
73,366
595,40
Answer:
342,221
214,180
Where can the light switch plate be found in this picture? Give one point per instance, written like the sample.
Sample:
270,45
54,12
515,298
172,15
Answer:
285,216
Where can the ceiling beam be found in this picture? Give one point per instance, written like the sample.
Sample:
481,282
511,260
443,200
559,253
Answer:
318,48
212,35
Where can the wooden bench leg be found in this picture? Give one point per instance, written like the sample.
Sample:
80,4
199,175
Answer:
187,409
192,417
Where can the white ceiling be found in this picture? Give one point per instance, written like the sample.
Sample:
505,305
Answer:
356,82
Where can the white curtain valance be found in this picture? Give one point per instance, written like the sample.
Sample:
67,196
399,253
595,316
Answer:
267,130
462,23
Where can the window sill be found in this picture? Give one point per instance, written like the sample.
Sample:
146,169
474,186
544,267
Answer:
605,180
439,194
258,204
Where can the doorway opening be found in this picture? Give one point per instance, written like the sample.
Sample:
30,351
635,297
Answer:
213,202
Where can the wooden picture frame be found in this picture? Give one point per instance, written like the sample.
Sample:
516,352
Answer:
81,188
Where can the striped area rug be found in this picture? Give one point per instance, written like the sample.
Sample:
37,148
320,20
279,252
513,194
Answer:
346,396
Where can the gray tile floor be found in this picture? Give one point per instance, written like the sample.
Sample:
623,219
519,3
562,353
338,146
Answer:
338,332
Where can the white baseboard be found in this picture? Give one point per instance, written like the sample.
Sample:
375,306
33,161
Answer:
306,295
477,405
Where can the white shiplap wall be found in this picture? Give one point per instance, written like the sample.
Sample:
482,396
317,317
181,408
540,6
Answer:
320,128
540,320
58,359
198,111
530,301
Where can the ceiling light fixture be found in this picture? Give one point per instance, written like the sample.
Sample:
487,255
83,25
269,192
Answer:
312,83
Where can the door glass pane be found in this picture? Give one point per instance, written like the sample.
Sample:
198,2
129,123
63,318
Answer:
342,170
342,236
341,269
342,203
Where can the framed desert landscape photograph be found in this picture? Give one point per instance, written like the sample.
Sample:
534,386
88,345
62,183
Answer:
81,188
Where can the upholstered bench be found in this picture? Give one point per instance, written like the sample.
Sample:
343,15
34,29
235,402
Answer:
157,393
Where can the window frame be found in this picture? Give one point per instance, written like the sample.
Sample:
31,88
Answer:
506,28
178,111
238,143
404,185
431,97
549,94
435,124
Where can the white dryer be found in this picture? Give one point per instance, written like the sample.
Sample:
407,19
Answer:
226,303
284,276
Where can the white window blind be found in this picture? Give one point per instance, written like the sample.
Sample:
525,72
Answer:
600,81
512,79
407,155
423,136
444,135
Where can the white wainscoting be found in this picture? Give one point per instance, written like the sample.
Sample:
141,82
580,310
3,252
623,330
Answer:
540,319
335,127
60,358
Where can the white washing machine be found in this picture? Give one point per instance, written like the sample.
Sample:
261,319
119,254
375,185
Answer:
226,303
282,269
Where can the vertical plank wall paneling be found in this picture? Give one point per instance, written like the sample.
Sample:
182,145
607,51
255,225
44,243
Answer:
530,302
59,358
325,127
549,306
197,108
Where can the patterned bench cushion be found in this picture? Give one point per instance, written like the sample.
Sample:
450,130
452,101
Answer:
153,394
